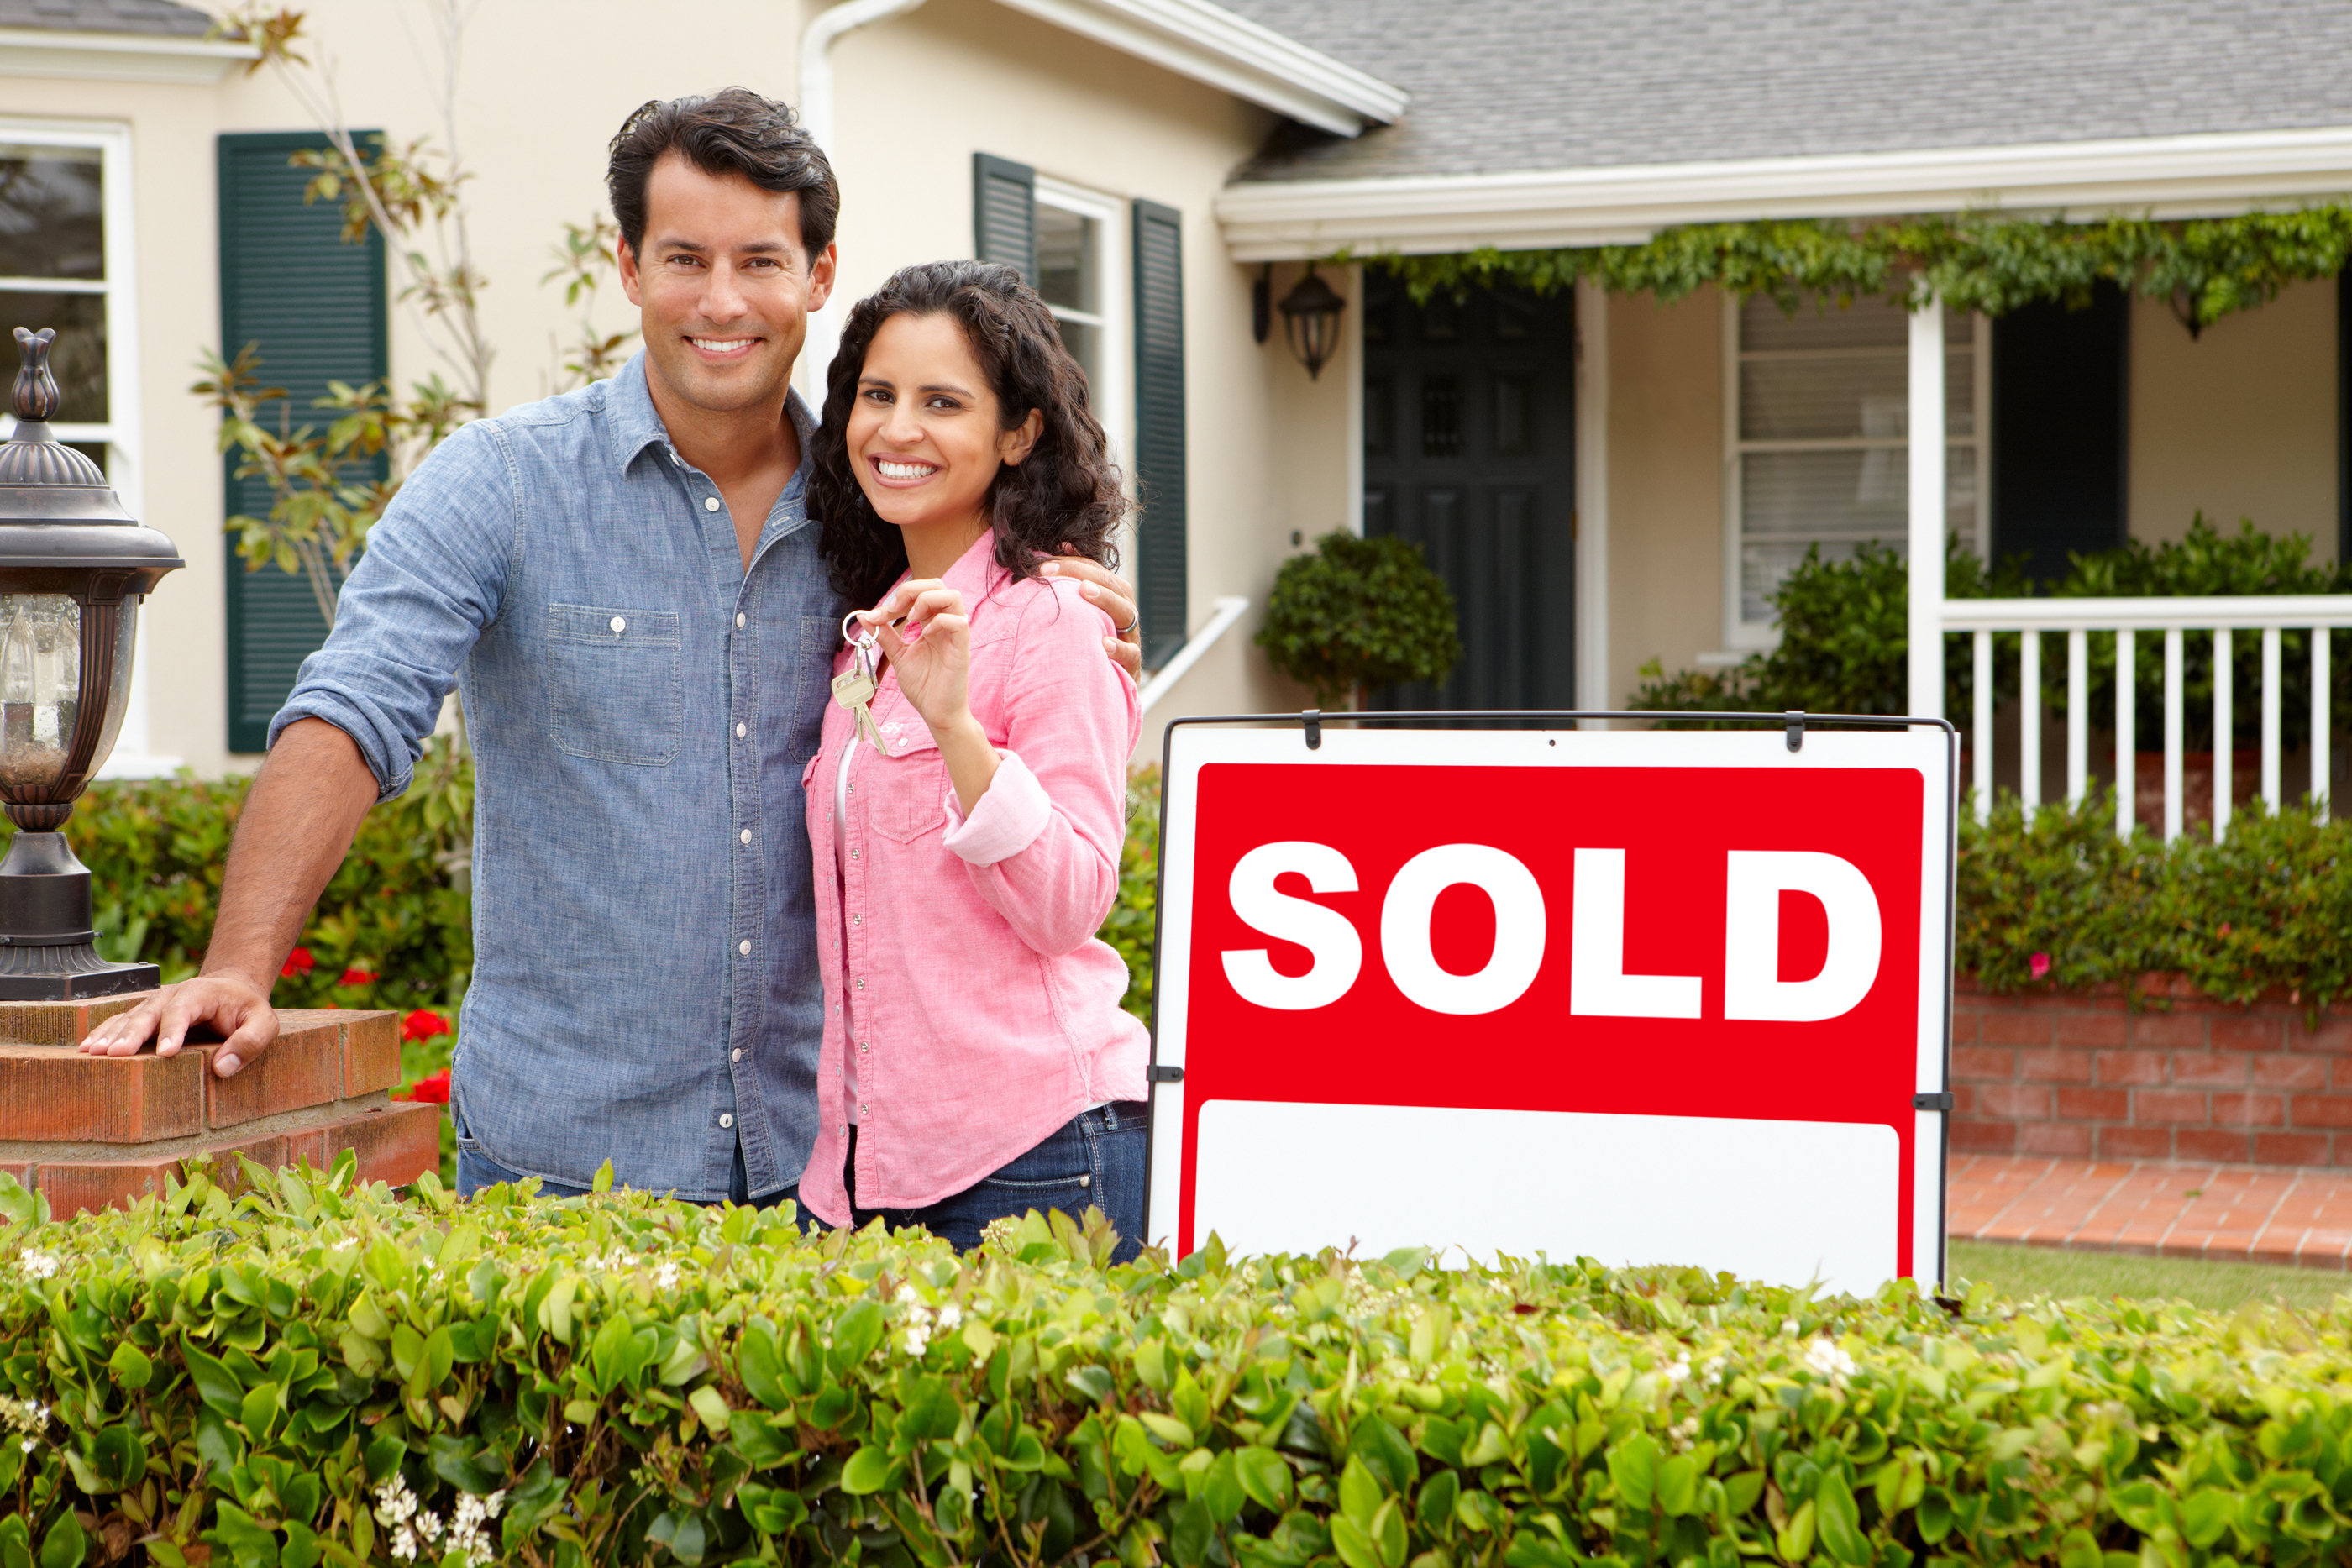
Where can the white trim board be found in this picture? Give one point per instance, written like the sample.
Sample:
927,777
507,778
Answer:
119,56
2163,176
1211,44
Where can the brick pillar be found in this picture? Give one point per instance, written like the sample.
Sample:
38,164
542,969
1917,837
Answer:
90,1131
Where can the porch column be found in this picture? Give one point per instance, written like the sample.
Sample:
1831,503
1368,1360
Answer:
1926,564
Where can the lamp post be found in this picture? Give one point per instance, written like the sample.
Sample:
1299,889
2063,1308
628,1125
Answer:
73,567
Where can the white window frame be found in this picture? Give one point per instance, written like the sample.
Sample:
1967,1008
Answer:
1113,382
1742,636
123,431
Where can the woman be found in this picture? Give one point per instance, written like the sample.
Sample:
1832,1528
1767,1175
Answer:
976,1064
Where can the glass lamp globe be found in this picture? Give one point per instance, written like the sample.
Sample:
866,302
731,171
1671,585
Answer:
1311,321
73,569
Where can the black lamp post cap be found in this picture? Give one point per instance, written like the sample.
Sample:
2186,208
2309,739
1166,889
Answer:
81,524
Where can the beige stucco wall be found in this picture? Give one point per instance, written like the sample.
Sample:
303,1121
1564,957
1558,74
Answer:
918,96
2241,421
1666,483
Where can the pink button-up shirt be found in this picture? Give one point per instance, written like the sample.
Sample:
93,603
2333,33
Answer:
985,1013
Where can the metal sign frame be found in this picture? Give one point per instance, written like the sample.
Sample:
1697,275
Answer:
1310,725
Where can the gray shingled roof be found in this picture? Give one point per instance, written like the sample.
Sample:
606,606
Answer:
1501,85
149,16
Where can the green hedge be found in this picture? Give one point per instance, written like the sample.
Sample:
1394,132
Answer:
314,1373
2060,902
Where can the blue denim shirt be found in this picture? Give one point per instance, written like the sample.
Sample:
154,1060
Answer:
645,983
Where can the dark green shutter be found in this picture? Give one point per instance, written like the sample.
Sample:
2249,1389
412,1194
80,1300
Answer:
2059,452
316,309
1004,213
1160,427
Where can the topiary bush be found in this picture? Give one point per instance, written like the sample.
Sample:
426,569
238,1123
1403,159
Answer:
314,1373
1360,613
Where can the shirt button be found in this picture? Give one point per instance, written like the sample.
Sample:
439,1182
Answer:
747,835
741,730
738,619
861,1048
853,854
861,985
744,948
710,503
863,1109
736,1054
857,920
620,622
726,1120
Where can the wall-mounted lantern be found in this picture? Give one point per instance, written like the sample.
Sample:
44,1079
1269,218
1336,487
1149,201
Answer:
1311,321
73,567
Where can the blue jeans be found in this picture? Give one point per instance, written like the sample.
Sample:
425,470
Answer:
476,1170
1093,1160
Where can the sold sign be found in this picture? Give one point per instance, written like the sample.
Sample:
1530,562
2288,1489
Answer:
1645,997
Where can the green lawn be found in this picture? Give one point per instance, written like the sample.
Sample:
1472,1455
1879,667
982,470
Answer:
2046,1271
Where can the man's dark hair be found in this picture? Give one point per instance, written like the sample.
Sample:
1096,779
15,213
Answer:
1063,498
735,131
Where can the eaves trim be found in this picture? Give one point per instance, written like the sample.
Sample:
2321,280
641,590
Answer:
2170,176
1211,44
119,56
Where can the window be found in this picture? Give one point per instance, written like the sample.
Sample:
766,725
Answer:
1078,247
1818,441
64,254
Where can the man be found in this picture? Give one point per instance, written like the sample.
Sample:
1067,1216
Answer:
625,582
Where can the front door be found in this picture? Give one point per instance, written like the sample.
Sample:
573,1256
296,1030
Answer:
1470,452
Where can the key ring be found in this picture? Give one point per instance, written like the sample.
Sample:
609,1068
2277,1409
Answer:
864,639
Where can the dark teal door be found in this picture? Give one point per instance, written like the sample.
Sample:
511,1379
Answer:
1470,452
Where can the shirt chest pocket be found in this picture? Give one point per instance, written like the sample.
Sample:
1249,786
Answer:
909,786
615,686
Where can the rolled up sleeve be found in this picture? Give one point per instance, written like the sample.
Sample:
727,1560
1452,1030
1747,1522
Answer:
431,581
1045,857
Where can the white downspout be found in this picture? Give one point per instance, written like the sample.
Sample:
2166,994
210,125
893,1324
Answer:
825,29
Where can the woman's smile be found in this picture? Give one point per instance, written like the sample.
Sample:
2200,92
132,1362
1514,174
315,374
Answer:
899,472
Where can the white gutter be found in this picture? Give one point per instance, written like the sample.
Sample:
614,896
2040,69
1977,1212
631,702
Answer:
827,29
2161,176
1230,608
1211,44
119,57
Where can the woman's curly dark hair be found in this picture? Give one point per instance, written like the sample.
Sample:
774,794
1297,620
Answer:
1066,491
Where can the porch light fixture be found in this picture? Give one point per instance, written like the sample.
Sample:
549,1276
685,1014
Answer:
73,567
1311,321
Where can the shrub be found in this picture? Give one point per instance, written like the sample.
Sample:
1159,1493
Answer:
1843,641
1360,613
314,1373
2265,910
1132,925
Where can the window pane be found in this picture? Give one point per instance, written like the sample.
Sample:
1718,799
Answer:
1065,259
1833,396
1865,323
1791,501
1084,345
78,356
50,215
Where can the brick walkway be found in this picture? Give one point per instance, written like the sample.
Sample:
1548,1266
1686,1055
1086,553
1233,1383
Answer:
2244,1214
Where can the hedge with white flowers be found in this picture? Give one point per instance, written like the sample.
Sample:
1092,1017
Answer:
314,1373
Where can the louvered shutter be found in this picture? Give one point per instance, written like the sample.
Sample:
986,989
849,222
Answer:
2058,422
1004,213
316,309
1160,427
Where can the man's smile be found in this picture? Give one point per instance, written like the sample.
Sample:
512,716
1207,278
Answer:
725,348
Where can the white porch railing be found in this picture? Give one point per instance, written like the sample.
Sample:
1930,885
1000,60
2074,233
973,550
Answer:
2177,620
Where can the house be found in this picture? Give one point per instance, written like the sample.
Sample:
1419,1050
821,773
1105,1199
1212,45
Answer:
1604,480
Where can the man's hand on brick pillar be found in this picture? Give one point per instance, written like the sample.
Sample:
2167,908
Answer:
296,827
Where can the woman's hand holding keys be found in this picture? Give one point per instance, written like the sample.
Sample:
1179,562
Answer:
926,637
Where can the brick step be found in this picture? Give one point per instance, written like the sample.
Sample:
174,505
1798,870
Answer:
394,1143
94,1130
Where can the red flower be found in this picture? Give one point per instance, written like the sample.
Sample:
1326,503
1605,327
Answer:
2038,965
434,1089
423,1024
299,962
356,977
